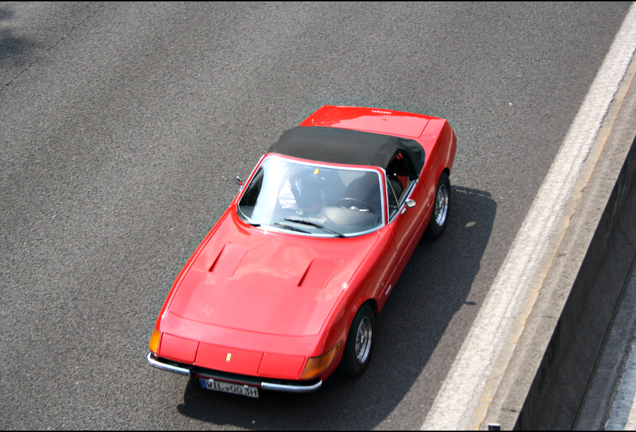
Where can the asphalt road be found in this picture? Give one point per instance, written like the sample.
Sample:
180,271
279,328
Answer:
123,125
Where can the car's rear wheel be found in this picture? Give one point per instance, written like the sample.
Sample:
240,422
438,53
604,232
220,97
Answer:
439,218
357,352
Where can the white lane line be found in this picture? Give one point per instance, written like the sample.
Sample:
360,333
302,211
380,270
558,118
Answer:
461,391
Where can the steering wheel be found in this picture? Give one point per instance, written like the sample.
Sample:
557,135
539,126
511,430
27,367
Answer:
352,203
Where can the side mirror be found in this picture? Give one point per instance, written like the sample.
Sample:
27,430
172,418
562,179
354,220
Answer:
410,203
238,181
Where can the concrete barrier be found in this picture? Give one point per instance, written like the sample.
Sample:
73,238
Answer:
558,390
546,381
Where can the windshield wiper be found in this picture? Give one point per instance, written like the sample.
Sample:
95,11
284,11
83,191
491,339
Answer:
304,222
291,228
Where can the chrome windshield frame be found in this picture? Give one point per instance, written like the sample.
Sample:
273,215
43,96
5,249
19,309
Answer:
407,196
321,165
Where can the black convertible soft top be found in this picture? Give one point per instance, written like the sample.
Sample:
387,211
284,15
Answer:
346,146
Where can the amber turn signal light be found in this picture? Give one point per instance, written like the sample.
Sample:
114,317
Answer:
316,365
154,341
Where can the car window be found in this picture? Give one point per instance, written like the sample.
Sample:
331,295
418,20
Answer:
313,199
400,175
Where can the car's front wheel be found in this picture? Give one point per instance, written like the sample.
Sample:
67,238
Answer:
440,211
357,352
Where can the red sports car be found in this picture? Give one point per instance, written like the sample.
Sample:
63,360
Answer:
284,289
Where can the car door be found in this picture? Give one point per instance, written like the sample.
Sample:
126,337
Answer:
406,207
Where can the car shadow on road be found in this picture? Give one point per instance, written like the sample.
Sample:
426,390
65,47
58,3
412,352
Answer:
432,289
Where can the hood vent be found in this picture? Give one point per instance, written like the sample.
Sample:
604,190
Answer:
228,260
318,273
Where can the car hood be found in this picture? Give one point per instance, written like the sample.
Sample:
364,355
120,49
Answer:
252,279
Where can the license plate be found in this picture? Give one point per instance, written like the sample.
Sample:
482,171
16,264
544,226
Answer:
226,387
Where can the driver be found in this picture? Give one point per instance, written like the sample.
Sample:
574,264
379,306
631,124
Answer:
301,193
367,190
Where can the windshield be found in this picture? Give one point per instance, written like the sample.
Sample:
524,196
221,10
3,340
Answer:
313,199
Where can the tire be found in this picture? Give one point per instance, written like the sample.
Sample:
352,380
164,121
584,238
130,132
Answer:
357,352
439,218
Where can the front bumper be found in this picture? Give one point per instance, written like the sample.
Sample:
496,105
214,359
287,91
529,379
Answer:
265,384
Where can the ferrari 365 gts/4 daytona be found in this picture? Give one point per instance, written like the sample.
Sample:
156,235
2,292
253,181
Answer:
284,289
